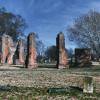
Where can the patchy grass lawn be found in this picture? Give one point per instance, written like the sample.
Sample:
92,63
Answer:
18,83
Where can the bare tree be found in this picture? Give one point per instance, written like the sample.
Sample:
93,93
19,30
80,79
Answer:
86,31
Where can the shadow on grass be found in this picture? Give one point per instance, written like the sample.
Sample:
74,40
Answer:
12,89
47,66
31,92
72,90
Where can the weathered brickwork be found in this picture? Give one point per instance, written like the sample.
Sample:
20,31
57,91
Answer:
62,61
31,52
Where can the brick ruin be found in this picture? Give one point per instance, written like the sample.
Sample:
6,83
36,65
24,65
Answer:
82,56
16,55
19,53
7,49
62,61
31,52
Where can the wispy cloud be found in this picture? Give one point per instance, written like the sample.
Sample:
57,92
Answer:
95,5
48,17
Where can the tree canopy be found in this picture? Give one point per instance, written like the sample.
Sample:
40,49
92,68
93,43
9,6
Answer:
51,53
86,31
11,24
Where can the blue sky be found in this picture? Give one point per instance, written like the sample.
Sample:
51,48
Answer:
49,17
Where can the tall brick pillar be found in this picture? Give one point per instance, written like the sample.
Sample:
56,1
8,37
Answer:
62,60
31,52
19,53
7,52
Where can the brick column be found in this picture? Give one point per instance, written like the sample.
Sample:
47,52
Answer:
19,53
7,53
62,61
31,52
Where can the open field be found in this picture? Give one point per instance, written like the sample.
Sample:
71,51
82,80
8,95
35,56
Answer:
18,83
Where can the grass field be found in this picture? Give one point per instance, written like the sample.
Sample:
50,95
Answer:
18,83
